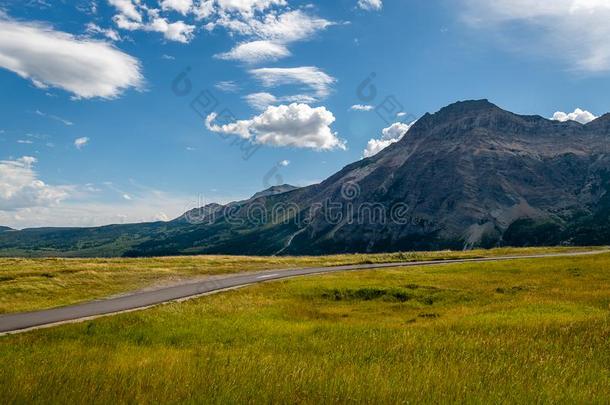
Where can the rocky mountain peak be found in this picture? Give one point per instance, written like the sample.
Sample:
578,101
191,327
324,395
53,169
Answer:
274,190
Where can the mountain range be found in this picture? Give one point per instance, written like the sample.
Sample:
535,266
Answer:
470,175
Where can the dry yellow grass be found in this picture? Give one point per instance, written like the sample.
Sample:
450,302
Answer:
30,284
523,331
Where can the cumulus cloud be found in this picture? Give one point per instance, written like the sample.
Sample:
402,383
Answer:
389,135
294,125
50,58
370,5
254,20
20,186
177,31
134,16
80,143
256,52
362,107
576,31
181,6
309,76
582,116
127,8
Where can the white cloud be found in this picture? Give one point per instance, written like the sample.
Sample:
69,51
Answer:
181,6
177,31
582,116
20,186
255,20
227,86
27,201
248,6
25,141
268,34
260,101
576,31
289,27
125,23
204,9
370,5
54,118
256,52
362,107
161,217
80,143
390,135
312,77
294,125
109,33
82,209
127,8
50,58
285,163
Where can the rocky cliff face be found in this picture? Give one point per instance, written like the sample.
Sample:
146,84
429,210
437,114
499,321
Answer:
471,170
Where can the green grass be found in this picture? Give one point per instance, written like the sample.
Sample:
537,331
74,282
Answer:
524,331
31,284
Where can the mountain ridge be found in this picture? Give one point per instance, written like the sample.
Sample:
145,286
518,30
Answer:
469,175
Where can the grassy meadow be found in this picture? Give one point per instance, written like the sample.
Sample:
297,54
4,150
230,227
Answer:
32,284
524,331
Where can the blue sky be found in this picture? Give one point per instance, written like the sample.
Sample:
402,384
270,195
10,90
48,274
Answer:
99,127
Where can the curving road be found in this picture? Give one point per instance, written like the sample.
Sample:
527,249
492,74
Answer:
20,322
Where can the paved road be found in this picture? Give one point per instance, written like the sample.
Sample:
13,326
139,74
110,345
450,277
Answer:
25,321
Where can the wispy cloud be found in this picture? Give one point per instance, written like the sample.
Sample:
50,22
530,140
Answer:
260,101
370,5
310,77
228,86
575,31
54,118
256,52
362,107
